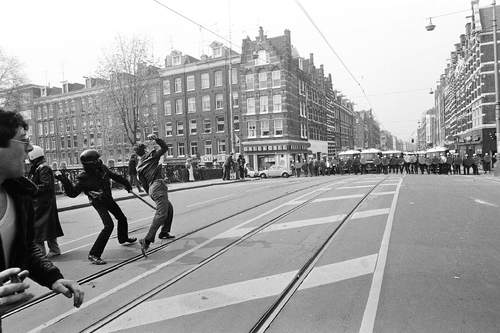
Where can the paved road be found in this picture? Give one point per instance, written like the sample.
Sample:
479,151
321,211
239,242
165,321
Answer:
418,254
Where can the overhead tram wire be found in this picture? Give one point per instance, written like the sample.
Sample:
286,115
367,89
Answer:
333,50
201,26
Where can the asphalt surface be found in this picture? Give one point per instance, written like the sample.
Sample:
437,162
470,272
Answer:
419,254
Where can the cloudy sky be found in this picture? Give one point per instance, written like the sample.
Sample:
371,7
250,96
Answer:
383,43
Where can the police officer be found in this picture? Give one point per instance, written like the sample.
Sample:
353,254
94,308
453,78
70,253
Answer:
94,181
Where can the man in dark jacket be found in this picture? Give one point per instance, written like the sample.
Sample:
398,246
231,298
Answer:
149,172
94,181
47,225
19,256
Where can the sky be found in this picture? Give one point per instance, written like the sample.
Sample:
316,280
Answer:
384,44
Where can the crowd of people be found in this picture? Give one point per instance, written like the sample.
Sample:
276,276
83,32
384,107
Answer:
443,163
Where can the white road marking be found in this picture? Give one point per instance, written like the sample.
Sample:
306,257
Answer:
370,312
486,203
207,201
214,298
383,193
352,187
370,213
285,226
340,197
389,184
151,271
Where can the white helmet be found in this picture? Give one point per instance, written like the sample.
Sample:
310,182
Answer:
36,153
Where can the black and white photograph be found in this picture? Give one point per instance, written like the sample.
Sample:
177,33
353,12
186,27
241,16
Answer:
232,166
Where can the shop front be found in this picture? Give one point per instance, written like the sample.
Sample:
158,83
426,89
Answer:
479,142
262,155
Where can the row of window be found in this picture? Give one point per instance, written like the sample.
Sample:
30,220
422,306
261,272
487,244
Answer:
207,126
204,79
192,105
264,128
264,104
193,148
263,80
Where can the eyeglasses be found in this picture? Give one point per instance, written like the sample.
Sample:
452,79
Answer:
25,142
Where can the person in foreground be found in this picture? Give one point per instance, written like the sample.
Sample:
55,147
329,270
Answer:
19,256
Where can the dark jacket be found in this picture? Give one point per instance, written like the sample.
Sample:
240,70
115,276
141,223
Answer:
149,168
24,254
47,225
132,165
93,181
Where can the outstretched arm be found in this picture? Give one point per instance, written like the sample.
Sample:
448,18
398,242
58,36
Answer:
71,190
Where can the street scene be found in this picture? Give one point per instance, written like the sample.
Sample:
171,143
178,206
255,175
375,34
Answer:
224,166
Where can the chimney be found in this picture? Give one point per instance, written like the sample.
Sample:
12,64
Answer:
261,34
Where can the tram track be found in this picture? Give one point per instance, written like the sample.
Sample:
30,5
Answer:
161,287
115,267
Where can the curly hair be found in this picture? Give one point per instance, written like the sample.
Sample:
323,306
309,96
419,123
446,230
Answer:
9,125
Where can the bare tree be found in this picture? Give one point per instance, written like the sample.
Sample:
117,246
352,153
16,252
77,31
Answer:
11,77
128,68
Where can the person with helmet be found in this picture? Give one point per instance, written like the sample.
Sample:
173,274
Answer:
94,181
150,175
47,225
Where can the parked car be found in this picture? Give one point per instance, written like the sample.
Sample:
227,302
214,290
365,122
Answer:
250,172
275,171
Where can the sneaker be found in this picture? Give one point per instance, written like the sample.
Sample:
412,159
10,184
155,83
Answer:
165,235
128,241
144,247
96,260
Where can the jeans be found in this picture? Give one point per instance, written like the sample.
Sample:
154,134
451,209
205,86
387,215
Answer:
158,191
52,244
103,208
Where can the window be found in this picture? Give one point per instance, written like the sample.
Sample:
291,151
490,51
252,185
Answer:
75,140
278,127
220,124
301,64
180,128
53,143
221,146
178,106
264,127
176,60
219,100
263,58
69,141
205,103
236,101
178,85
168,108
181,150
262,80
251,129
191,105
92,141
51,127
250,81
85,140
207,126
205,81
264,107
166,87
276,103
302,109
236,123
208,147
192,127
218,78
276,78
46,128
190,82
170,150
152,96
194,148
251,105
40,128
168,129
234,75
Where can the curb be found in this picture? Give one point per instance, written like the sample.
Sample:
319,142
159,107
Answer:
88,204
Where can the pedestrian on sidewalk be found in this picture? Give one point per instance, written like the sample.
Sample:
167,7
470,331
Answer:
241,166
132,172
47,225
94,181
19,255
150,176
228,166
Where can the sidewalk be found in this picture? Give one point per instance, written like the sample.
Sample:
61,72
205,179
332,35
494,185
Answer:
65,203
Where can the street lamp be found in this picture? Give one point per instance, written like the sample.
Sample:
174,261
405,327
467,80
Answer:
430,26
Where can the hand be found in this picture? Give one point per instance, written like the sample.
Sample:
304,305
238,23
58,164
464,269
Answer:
69,288
152,137
13,293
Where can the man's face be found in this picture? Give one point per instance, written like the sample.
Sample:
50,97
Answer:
12,157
